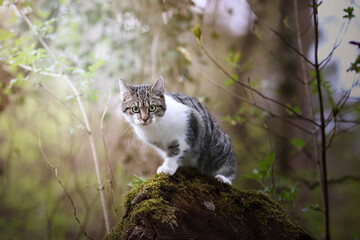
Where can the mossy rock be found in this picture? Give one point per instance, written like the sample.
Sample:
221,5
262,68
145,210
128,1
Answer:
189,205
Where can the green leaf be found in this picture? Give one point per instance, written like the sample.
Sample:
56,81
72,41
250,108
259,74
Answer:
92,95
197,33
136,181
229,120
255,175
293,193
233,59
315,6
265,167
5,35
289,196
355,66
267,162
298,143
229,82
292,109
236,57
20,78
96,65
313,207
350,13
240,119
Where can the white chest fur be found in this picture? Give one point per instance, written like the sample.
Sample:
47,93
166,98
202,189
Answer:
168,128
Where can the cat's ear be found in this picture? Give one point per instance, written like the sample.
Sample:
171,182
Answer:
125,90
158,87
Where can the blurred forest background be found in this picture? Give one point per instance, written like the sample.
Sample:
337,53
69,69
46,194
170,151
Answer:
252,63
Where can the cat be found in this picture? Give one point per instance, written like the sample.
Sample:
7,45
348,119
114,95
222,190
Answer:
180,129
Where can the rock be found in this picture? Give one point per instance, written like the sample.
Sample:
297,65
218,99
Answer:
189,205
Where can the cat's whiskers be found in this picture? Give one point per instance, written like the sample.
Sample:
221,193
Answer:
129,132
157,129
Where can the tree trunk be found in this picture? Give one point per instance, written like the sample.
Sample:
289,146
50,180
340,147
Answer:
192,206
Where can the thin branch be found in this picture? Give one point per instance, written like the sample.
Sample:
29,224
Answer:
84,115
272,175
324,190
27,20
257,106
61,102
332,136
307,90
256,91
44,73
341,103
83,230
107,158
314,185
337,43
280,36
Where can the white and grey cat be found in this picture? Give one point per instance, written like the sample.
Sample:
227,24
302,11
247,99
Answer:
180,128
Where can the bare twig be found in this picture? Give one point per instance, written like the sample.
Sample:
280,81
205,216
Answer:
257,106
61,102
324,190
280,36
256,91
107,158
29,23
307,90
271,148
337,43
84,115
341,180
341,103
83,230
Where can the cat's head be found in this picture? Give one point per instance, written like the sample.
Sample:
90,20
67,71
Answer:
142,105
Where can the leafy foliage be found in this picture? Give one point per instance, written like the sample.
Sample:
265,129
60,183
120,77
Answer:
355,66
136,181
264,168
197,33
349,13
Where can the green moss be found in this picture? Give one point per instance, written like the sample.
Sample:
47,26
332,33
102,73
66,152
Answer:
158,197
146,200
158,209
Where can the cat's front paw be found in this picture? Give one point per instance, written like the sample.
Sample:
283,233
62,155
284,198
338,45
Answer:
223,179
167,170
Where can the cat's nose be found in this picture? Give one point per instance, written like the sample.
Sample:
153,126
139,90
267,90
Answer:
145,119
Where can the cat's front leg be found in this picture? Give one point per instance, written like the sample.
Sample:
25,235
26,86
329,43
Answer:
171,162
169,167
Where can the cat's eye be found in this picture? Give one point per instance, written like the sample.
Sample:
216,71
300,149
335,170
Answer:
152,108
135,109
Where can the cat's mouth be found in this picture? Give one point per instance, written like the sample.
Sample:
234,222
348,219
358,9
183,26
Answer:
142,123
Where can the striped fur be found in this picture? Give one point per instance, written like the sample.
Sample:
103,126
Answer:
181,130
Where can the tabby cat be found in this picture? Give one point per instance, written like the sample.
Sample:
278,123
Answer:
180,128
